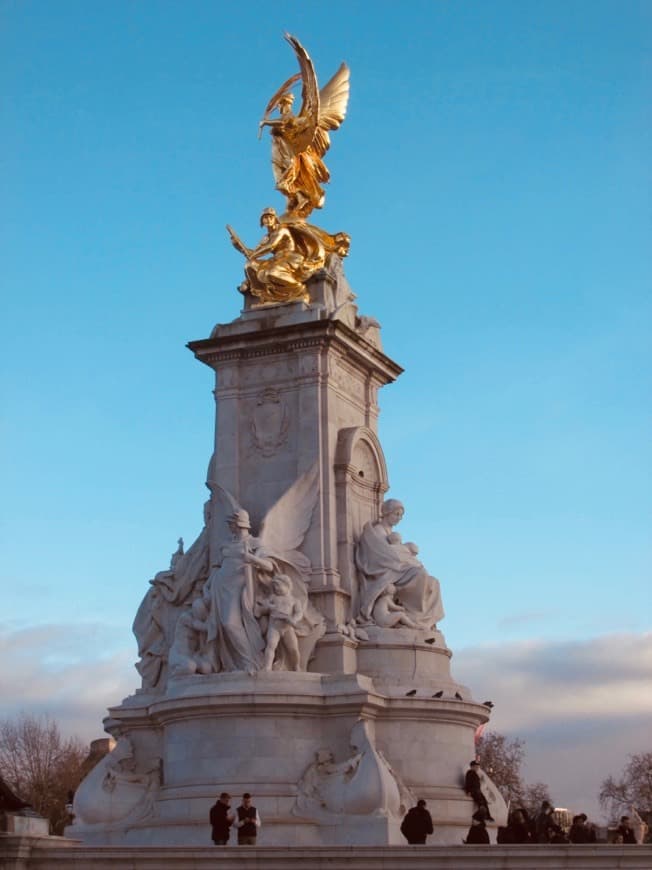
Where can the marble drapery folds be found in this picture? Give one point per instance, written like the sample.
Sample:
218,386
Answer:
384,561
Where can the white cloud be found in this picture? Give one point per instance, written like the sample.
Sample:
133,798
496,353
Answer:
72,672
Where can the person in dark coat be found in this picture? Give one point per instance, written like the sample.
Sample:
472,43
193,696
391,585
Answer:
221,819
545,824
247,821
580,831
417,824
626,831
472,787
517,830
478,833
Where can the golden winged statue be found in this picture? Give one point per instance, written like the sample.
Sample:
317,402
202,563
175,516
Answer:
299,142
292,251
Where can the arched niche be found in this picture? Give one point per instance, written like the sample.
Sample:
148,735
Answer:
360,484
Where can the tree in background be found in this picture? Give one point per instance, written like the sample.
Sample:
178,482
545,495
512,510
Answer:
40,765
632,789
502,758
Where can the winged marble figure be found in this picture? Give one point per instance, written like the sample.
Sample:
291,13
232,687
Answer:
242,580
299,142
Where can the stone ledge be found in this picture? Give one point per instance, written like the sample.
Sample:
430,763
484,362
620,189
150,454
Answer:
261,339
601,857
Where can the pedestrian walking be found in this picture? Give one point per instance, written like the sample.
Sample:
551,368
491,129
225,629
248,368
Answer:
417,824
478,833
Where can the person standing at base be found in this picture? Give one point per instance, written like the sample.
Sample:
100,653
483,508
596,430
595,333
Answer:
473,789
478,833
247,821
221,819
626,831
581,831
545,824
517,830
417,824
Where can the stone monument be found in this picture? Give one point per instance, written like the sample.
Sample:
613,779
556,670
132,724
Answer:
293,650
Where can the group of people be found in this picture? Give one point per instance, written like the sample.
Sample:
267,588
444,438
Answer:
543,829
521,828
245,820
417,824
540,828
477,833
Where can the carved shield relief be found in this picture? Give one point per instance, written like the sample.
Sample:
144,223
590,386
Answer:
269,422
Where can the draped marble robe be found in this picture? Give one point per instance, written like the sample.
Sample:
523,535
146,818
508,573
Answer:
381,563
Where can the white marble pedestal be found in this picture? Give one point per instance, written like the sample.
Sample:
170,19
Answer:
260,733
335,755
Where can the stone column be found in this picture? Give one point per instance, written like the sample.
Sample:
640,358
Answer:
294,387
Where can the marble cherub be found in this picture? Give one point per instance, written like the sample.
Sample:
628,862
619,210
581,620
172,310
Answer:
284,613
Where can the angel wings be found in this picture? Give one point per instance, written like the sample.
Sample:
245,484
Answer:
299,142
241,632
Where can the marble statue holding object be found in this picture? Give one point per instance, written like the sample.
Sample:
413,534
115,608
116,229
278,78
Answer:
388,569
155,622
299,142
251,624
233,634
292,251
199,621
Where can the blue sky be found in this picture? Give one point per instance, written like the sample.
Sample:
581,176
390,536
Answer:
494,175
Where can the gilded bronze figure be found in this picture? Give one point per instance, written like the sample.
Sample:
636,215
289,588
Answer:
299,142
277,268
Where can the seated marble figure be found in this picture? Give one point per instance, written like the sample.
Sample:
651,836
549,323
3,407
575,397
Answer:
389,570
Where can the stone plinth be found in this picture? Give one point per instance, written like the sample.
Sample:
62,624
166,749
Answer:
261,733
30,825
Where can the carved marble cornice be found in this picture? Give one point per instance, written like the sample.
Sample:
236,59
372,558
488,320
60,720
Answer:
240,344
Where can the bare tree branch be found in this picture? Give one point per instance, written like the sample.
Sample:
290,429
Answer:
40,765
